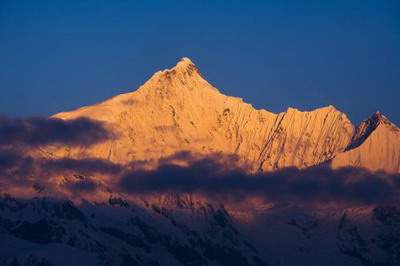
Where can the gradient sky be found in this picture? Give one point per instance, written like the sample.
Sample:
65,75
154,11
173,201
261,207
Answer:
59,55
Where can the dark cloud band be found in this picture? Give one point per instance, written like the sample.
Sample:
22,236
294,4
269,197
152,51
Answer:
208,176
215,175
43,131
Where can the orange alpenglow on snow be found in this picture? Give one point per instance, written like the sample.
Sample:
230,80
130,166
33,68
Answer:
178,110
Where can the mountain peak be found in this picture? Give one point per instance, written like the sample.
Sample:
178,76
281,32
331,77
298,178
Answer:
378,117
183,77
375,146
185,66
185,62
367,127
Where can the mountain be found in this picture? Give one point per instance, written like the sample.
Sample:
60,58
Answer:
375,145
177,109
44,232
93,212
184,231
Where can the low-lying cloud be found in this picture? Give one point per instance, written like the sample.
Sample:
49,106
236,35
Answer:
88,166
38,131
210,176
19,135
216,176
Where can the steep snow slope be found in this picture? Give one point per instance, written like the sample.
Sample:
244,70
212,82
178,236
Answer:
42,231
296,236
177,109
375,146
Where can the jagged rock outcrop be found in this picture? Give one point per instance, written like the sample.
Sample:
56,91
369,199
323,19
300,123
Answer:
375,146
177,109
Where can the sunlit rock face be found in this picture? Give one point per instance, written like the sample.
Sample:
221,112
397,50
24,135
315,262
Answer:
375,146
177,109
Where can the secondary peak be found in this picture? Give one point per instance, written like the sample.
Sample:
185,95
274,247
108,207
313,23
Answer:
368,126
378,117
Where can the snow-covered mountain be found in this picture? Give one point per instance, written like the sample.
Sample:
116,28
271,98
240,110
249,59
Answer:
183,231
43,231
177,109
57,215
375,145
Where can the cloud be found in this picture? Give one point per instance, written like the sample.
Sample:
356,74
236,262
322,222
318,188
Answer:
56,176
212,177
82,186
216,176
37,131
85,166
18,136
16,169
13,164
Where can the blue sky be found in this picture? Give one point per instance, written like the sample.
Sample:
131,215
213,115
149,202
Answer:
59,55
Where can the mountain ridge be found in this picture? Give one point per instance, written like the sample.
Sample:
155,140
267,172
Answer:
177,109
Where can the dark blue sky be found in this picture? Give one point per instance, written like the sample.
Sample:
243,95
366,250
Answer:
59,55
